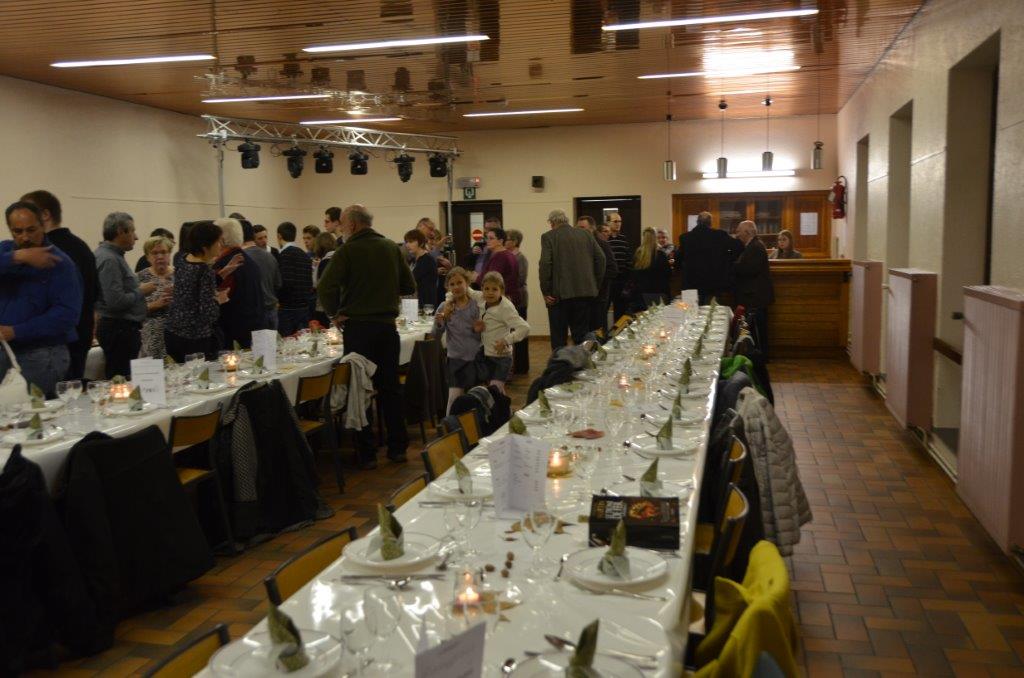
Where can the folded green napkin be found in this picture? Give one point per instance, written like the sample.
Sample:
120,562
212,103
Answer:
315,348
664,437
257,366
615,562
283,631
714,305
583,656
516,425
649,483
203,380
677,406
631,331
602,353
135,398
615,342
545,404
684,378
37,396
169,361
463,476
236,347
35,427
390,538
698,348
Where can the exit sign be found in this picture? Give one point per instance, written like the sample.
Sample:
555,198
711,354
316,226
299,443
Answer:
469,193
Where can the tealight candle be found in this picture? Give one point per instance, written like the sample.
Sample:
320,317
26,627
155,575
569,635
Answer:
648,350
663,334
559,463
230,362
333,336
468,597
120,392
622,381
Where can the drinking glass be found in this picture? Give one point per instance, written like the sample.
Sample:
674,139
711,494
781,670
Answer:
382,611
98,391
584,462
537,527
428,310
356,636
460,517
76,393
66,391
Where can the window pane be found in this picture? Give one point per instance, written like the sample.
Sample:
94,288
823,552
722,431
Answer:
768,215
731,213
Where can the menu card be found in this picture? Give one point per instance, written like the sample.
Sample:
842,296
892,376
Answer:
689,297
519,471
148,376
264,344
460,656
411,309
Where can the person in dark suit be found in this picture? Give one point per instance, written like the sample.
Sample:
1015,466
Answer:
706,255
754,289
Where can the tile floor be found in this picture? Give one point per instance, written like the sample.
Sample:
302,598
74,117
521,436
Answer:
894,575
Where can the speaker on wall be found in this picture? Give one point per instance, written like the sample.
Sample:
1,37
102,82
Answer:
537,182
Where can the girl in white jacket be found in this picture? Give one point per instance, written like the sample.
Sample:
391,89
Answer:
500,326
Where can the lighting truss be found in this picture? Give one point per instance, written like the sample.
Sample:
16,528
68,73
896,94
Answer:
223,129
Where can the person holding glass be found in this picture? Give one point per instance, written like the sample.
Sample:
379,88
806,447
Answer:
191,324
157,251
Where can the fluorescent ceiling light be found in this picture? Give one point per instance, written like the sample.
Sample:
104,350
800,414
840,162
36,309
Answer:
384,44
721,19
281,97
720,74
750,174
132,62
533,112
347,121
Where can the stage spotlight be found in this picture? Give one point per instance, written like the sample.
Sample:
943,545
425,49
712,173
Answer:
250,154
324,161
438,165
404,163
295,157
358,159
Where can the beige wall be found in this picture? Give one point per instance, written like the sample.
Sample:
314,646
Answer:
100,155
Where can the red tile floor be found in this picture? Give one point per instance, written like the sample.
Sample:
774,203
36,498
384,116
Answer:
894,575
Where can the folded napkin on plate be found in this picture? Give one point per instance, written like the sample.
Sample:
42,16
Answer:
698,348
649,483
135,398
685,376
583,656
615,562
236,347
37,396
389,538
35,427
588,434
462,474
664,437
545,404
257,366
203,380
677,406
602,353
292,656
516,425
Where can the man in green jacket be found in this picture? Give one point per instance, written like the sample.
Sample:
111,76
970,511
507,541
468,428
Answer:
360,291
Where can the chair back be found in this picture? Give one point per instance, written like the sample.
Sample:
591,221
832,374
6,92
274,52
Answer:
435,377
729,473
417,396
314,388
438,454
407,491
620,324
189,430
193,657
727,539
342,374
470,426
299,569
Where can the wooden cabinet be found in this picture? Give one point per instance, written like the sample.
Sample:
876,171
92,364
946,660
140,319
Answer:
771,212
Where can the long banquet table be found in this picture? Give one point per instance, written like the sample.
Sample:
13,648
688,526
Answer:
51,458
645,627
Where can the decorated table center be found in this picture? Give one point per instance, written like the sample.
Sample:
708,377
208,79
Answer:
64,424
585,511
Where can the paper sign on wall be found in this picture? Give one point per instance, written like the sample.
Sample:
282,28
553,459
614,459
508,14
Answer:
461,656
148,375
264,344
691,222
519,471
808,223
411,309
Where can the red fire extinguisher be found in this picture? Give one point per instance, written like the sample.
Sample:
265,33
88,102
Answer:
837,196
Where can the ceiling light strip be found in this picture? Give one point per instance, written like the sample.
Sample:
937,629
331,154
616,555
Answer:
134,61
539,111
385,44
721,74
280,97
720,19
751,174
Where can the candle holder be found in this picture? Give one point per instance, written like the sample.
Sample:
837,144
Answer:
559,463
120,391
229,361
647,351
622,381
662,335
333,336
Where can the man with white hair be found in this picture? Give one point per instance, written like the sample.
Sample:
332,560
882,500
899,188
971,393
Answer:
571,270
237,272
754,289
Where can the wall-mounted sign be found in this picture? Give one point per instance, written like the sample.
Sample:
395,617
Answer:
469,193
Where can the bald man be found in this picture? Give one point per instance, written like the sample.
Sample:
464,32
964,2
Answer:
753,282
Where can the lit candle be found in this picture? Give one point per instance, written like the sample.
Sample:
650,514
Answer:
468,597
333,336
559,464
230,361
622,381
120,392
648,351
663,334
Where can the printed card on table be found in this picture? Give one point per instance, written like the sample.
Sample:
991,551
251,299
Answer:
461,656
689,297
264,344
148,375
519,471
411,309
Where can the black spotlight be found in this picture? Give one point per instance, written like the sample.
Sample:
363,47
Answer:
404,163
295,162
358,159
250,154
438,165
324,161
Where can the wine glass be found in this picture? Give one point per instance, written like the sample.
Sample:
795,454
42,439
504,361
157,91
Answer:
428,310
460,517
65,391
382,611
76,392
537,526
584,462
356,636
98,391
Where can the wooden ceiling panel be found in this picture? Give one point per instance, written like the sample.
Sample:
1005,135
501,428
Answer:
542,54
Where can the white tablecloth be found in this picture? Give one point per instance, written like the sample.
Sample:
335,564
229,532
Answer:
627,624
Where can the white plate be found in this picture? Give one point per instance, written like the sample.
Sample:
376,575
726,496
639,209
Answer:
125,411
646,445
561,393
254,655
420,549
214,387
448,488
691,417
644,567
48,407
553,664
631,488
265,374
20,437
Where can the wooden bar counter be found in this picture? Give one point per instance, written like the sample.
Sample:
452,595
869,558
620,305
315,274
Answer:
811,312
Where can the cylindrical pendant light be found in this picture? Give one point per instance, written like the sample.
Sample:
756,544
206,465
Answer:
766,161
670,170
767,157
723,167
669,166
816,155
722,163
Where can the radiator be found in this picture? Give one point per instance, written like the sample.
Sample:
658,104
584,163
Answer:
867,316
910,328
990,462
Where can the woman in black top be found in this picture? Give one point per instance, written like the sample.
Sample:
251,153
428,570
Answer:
651,275
191,325
424,268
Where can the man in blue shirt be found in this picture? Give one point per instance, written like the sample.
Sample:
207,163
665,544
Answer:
40,300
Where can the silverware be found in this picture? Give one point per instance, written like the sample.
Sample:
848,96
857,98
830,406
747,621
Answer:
629,478
508,666
560,643
616,592
443,565
561,565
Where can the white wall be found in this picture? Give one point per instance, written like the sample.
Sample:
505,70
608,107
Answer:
99,155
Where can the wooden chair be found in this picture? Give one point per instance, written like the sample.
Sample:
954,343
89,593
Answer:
314,398
191,658
723,551
437,455
729,472
299,569
190,431
620,324
407,491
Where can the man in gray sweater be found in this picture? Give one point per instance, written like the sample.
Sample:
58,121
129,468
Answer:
571,270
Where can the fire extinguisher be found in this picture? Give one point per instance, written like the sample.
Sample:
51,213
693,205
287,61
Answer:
837,196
